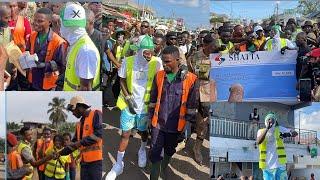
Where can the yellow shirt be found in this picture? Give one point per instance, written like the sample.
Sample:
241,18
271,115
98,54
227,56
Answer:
258,42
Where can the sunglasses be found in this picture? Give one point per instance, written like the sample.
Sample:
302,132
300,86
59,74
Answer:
173,38
144,26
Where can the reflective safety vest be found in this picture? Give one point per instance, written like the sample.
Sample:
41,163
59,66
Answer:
18,34
282,158
50,78
41,149
122,51
23,145
14,160
5,37
186,85
283,43
93,152
152,65
228,47
71,80
55,168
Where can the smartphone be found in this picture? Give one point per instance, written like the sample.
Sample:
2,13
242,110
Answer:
305,89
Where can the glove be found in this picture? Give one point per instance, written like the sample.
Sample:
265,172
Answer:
131,104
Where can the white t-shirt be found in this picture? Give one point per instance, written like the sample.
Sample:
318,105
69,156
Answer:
276,44
272,157
139,80
86,62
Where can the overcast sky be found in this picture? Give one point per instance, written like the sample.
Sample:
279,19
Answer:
309,118
33,106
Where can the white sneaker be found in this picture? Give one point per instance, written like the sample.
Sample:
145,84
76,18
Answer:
116,170
142,157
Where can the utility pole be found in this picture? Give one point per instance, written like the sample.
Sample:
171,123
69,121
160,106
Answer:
299,127
277,11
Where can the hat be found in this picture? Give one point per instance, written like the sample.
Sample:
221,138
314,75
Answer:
144,42
12,139
312,37
270,115
314,53
74,101
291,20
307,23
120,31
276,28
257,28
73,15
171,33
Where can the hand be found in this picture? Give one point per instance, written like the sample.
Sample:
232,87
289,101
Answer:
28,168
131,104
118,65
40,64
283,49
270,124
75,145
294,133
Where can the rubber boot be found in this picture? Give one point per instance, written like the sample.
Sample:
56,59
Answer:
197,151
164,165
155,171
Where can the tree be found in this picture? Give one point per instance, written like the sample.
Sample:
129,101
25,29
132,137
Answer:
306,7
57,111
12,126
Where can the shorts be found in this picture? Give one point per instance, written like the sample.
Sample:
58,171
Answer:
130,121
275,174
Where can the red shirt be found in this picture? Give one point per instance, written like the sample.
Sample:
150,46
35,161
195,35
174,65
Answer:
27,27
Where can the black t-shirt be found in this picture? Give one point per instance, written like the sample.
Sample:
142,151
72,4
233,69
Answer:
254,117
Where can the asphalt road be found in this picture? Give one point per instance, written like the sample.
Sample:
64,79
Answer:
182,165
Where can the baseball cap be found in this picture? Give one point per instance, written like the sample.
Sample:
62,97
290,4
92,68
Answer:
74,101
73,15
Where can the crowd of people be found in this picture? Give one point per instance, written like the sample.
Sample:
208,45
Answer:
58,42
274,36
53,155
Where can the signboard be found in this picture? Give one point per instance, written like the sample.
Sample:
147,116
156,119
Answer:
262,76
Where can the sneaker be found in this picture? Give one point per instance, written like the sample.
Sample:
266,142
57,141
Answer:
142,157
181,146
116,170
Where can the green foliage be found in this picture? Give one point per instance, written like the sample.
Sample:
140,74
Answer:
306,7
2,145
216,20
57,111
67,128
12,126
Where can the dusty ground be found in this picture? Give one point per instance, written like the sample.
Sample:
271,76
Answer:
182,165
2,170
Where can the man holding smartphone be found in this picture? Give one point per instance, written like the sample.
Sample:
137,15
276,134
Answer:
273,158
